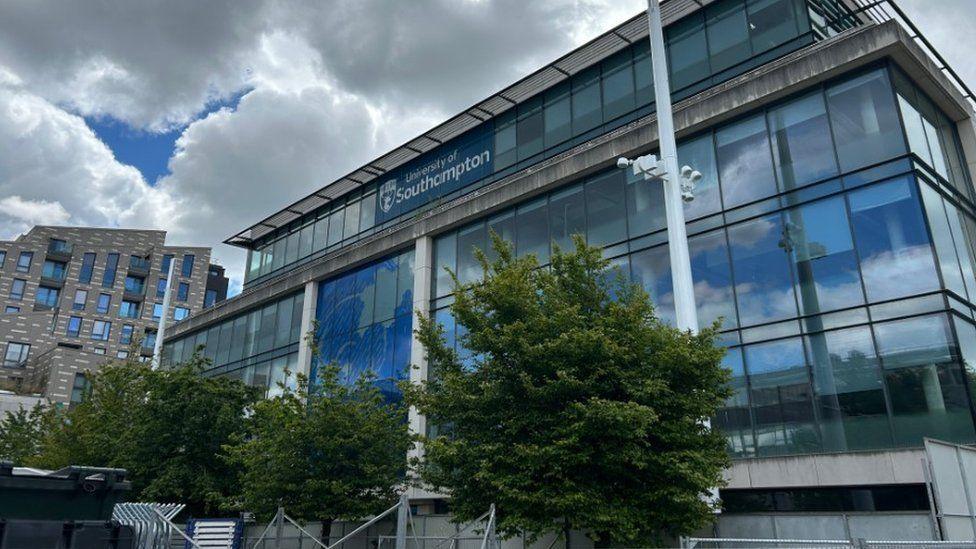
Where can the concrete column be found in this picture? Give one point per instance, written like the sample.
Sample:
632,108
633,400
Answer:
308,324
422,272
967,136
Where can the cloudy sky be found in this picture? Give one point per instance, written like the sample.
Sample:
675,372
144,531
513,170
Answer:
201,118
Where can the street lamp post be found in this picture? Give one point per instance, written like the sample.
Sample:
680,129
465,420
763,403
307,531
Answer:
678,184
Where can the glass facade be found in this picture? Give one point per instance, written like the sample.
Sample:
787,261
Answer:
707,47
364,322
820,243
257,346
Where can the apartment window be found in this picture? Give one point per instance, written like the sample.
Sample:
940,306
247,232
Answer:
129,309
111,267
46,297
87,266
183,291
104,301
135,284
3,258
16,354
149,340
17,288
79,389
12,309
157,311
101,330
54,269
125,335
99,350
179,313
122,353
161,288
24,261
209,298
164,266
74,326
81,299
187,266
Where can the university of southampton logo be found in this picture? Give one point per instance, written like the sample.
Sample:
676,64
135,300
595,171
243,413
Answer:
388,195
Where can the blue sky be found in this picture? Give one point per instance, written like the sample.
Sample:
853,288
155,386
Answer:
148,151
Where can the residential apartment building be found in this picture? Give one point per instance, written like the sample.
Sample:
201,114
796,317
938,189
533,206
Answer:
832,236
73,297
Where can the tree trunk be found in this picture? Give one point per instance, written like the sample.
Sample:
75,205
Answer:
566,532
326,535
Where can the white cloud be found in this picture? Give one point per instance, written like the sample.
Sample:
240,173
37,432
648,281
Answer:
34,212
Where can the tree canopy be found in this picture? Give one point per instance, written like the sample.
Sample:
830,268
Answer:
339,454
582,410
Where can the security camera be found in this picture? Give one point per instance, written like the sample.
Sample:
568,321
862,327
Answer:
687,195
696,176
624,162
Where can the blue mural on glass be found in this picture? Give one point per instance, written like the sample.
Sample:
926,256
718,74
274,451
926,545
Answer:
365,323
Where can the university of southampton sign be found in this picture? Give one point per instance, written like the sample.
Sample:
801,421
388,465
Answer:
449,167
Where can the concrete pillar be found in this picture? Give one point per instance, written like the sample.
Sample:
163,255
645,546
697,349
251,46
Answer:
308,324
422,272
967,136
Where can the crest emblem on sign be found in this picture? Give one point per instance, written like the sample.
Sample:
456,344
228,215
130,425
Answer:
387,195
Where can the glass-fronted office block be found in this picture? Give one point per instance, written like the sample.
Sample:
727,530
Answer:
834,249
709,46
364,322
259,347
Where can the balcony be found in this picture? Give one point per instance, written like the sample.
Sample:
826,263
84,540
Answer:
59,250
139,266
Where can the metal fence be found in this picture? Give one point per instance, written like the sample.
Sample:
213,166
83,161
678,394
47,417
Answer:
757,543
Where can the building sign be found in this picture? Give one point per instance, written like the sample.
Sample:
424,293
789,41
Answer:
449,167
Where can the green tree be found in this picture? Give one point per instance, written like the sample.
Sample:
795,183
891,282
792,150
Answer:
339,454
167,428
583,412
21,433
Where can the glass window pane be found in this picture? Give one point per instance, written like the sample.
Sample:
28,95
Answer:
864,121
687,51
558,115
764,286
651,269
966,333
734,419
771,23
945,249
445,257
405,282
352,219
712,276
643,75
964,252
925,382
504,227
699,154
782,398
645,205
604,204
728,34
567,216
744,162
367,212
802,149
364,294
587,107
291,248
470,239
335,226
505,140
892,242
850,395
530,129
386,290
818,236
532,230
321,233
305,241
618,85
